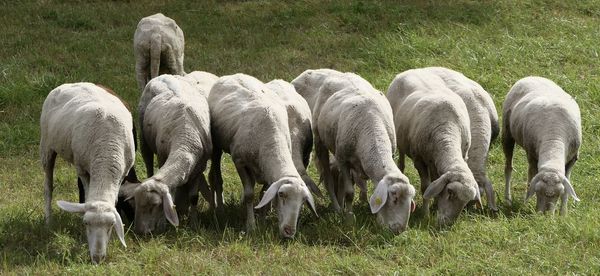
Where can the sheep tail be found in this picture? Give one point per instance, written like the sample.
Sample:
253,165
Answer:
155,50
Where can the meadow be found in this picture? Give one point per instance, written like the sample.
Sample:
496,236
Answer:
46,43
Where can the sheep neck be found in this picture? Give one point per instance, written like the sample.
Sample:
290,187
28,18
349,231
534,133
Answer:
177,169
552,155
379,161
448,155
279,160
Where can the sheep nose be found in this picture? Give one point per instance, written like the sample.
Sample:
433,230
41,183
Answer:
288,231
397,228
98,258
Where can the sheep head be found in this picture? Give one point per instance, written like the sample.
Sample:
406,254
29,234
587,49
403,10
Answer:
153,203
99,219
290,193
452,191
393,202
548,186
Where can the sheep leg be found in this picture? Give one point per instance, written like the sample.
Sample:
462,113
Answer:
216,179
323,165
508,145
347,190
148,156
362,185
425,180
401,161
533,169
48,161
489,192
141,71
248,198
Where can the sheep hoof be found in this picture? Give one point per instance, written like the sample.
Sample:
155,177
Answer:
349,219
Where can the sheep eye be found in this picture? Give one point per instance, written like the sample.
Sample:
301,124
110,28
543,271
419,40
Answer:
451,194
281,195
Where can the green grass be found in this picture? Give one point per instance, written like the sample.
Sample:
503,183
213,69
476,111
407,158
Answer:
46,43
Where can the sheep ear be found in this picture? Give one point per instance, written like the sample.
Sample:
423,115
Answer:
169,209
310,200
71,207
531,189
569,189
269,194
119,229
436,187
312,186
379,197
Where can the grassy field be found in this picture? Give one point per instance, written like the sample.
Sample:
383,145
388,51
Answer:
46,43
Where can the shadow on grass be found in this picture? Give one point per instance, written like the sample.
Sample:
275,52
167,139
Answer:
25,238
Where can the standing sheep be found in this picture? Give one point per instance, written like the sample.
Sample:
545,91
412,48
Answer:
253,128
90,128
300,124
434,131
544,120
484,124
175,124
354,121
158,45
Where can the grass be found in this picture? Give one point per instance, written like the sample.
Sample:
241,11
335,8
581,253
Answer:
47,43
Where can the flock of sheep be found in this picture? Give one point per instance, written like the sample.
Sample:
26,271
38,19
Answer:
439,118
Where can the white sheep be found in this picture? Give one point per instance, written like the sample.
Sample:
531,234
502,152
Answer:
175,125
354,121
300,124
253,128
307,85
90,128
433,129
484,124
158,45
543,119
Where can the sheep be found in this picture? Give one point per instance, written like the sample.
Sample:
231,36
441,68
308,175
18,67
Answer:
124,207
335,172
300,124
90,128
543,119
434,131
353,120
253,128
174,124
158,45
307,85
484,125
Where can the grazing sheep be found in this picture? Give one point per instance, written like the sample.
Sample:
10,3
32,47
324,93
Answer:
158,45
307,85
484,124
90,128
543,119
434,131
354,121
253,128
175,125
300,124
